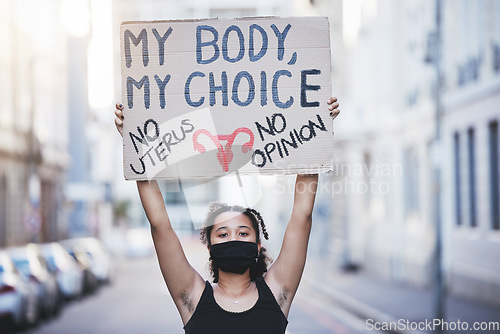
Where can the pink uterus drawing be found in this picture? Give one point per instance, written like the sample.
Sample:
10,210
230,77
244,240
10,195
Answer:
224,153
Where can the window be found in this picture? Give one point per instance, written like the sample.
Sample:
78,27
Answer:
3,211
496,39
494,175
472,177
411,181
367,161
458,192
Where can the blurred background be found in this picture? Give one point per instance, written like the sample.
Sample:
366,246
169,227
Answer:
407,226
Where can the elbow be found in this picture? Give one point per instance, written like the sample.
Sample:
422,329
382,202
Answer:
303,213
304,217
161,233
159,225
308,221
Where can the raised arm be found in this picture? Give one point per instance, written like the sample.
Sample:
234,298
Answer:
286,272
183,282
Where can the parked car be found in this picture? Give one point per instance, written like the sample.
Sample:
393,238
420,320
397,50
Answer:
83,260
68,273
101,263
18,300
29,261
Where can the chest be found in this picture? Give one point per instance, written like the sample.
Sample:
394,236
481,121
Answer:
258,319
236,304
256,312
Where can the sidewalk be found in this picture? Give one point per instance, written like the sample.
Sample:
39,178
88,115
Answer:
373,299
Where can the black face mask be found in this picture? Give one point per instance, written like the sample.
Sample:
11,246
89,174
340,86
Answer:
234,256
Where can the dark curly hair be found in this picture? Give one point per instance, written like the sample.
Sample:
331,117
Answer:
258,268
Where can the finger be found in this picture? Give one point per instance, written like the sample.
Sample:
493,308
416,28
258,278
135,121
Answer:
333,106
118,123
119,126
335,113
119,114
332,100
119,106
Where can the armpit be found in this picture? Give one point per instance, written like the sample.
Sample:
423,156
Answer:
187,301
282,297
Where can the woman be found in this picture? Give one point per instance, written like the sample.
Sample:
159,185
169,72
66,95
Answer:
245,297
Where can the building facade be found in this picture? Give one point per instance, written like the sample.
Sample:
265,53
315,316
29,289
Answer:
399,136
33,116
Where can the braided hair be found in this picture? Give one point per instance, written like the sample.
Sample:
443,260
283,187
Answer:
258,268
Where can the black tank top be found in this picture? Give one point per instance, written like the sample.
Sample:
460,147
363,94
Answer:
265,317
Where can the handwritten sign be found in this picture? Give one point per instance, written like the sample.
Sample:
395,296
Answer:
203,98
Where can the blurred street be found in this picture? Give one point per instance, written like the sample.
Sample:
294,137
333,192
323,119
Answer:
328,301
137,301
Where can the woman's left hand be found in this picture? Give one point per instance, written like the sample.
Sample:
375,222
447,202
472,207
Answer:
333,106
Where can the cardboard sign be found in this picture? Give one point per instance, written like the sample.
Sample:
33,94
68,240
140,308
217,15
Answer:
204,98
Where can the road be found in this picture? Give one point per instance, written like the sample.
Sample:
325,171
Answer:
138,302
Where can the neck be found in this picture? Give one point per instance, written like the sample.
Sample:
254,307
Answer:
234,283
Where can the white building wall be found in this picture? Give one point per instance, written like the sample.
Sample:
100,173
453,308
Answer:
471,102
391,119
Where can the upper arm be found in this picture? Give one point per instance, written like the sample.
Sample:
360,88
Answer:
285,273
183,282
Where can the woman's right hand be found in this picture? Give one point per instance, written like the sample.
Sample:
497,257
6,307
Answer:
119,118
